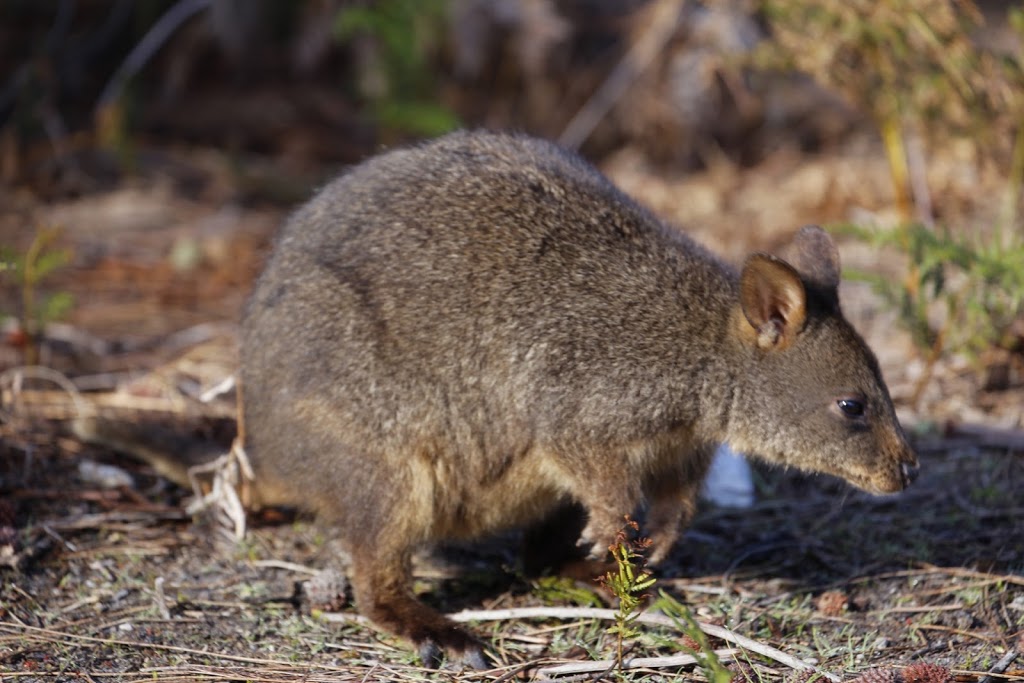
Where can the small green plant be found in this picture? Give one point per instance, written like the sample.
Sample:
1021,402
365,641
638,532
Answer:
398,38
961,294
562,589
627,582
28,271
709,663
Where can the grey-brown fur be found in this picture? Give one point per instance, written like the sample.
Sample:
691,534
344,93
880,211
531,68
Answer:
458,337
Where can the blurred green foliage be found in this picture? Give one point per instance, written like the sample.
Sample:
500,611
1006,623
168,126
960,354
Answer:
28,271
976,282
711,666
399,39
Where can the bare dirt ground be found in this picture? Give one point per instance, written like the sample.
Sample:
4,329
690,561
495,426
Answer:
103,576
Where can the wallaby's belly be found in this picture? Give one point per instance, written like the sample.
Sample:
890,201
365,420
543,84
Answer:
350,466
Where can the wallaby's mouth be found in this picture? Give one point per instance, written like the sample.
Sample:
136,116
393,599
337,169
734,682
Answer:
908,472
889,481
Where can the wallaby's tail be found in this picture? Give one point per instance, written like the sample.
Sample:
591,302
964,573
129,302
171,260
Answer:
170,445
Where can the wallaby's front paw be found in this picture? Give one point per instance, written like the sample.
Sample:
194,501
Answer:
659,551
597,546
588,548
662,542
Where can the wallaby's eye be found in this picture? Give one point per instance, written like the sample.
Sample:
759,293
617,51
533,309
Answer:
851,407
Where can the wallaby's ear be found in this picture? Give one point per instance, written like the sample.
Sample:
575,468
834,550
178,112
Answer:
815,256
773,300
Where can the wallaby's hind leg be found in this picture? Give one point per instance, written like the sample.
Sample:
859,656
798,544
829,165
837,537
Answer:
381,584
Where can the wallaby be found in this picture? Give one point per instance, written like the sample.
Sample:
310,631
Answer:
462,336
470,334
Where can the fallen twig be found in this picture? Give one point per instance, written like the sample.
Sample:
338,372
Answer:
646,618
631,663
1001,666
608,614
51,635
148,46
12,385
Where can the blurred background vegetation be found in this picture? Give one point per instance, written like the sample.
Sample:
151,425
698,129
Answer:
329,80
94,94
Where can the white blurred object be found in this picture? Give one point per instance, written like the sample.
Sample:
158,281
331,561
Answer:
104,476
729,483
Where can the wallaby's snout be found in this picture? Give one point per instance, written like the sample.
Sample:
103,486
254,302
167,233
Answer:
908,465
895,466
893,480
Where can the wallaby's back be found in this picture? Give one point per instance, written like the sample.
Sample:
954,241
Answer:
459,337
481,277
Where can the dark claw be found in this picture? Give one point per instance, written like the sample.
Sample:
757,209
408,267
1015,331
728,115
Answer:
469,656
474,659
430,654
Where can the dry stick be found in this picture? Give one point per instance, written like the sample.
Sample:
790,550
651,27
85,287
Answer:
608,614
926,568
646,618
929,568
956,631
631,663
663,22
917,169
287,566
1001,666
51,635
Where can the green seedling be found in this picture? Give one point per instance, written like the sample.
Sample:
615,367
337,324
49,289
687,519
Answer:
28,271
627,581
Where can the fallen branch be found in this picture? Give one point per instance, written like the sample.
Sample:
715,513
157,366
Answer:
631,663
55,636
646,618
154,39
608,615
12,386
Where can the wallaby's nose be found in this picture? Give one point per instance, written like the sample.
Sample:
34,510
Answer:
909,473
